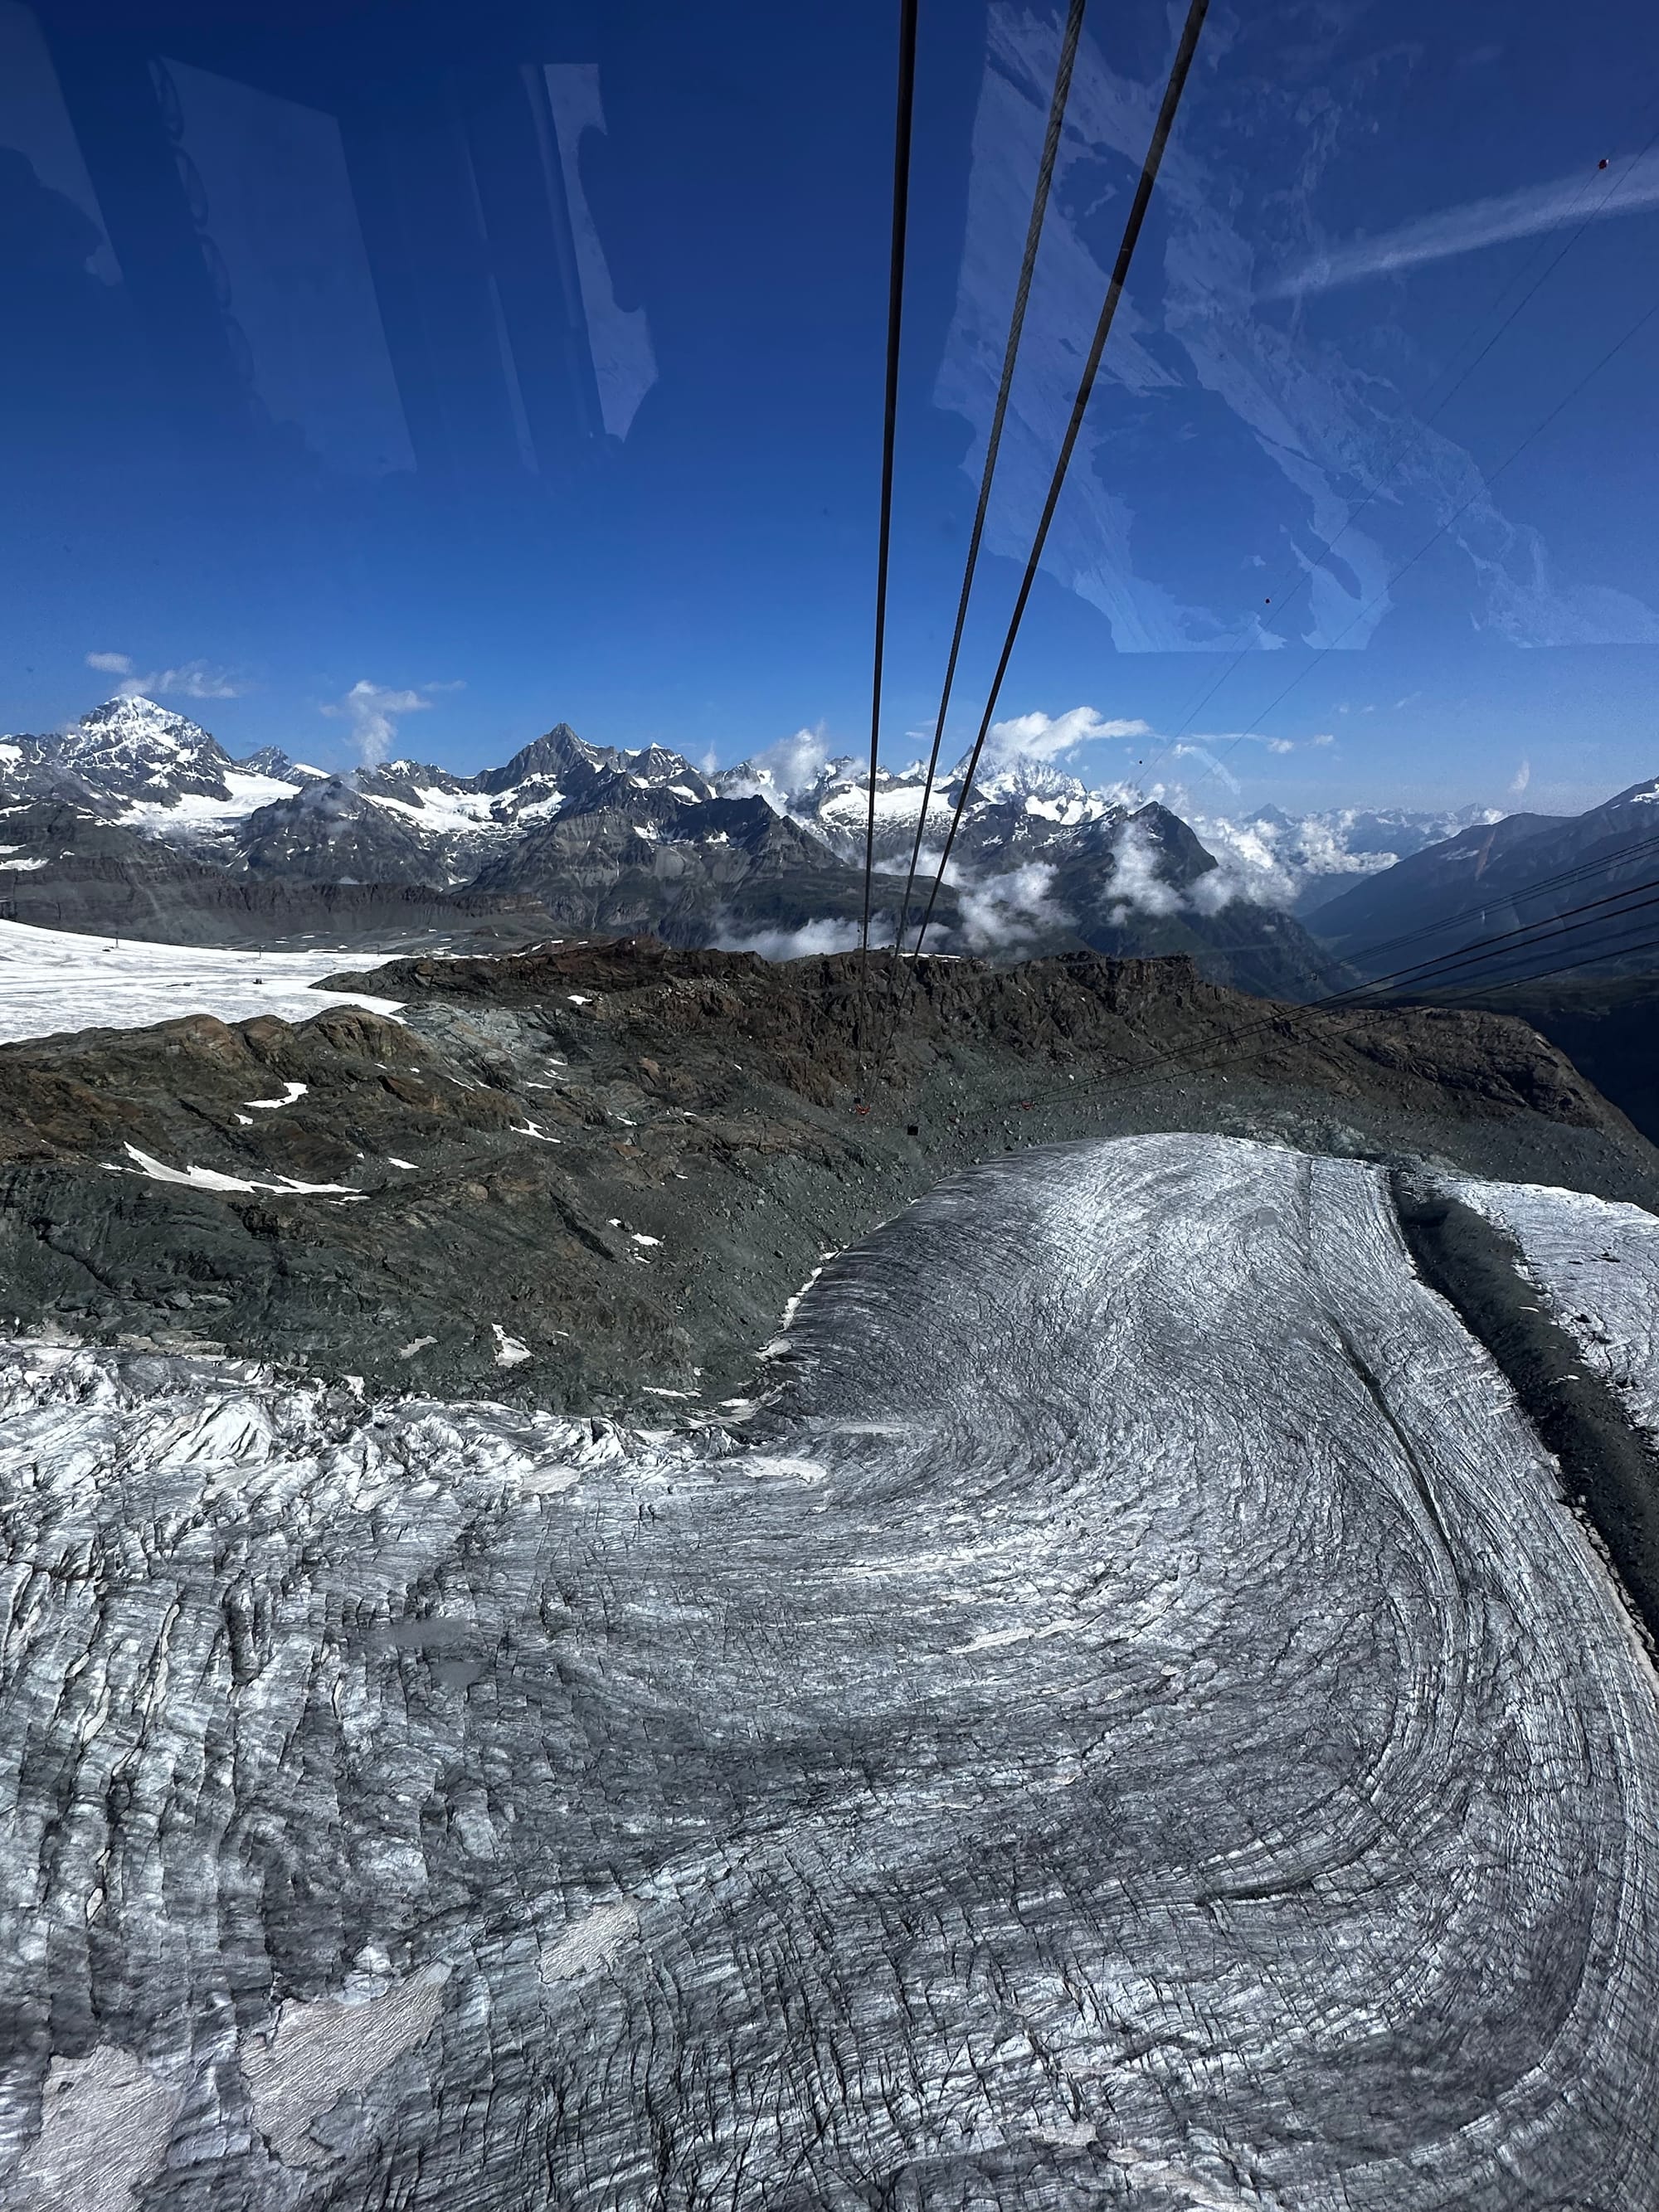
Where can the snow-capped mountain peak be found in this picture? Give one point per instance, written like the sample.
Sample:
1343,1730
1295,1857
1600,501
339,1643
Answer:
1041,857
1014,803
134,748
272,761
1301,860
135,728
1037,788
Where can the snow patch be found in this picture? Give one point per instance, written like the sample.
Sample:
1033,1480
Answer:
291,1092
211,1179
1595,1264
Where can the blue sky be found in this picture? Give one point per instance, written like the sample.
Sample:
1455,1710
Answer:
523,362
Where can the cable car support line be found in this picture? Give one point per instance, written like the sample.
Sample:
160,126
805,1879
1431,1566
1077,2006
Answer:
907,87
1132,228
1015,327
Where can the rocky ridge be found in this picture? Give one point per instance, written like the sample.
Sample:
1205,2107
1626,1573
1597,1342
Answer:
582,1177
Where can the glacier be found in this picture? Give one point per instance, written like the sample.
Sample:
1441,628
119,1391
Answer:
1130,1719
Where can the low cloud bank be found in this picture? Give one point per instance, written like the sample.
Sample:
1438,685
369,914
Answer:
782,771
811,939
1011,914
1248,868
1137,886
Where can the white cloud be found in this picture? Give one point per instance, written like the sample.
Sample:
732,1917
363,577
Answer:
192,679
1012,913
1524,213
1520,779
811,939
372,710
1248,869
1137,887
1046,737
1207,747
784,769
195,680
1212,765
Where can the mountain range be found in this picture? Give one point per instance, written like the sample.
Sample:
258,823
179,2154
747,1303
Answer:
1583,885
136,819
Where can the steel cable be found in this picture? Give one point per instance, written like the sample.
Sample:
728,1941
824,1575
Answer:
1015,327
902,133
1195,13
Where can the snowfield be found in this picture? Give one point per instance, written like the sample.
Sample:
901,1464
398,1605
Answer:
1135,1726
55,981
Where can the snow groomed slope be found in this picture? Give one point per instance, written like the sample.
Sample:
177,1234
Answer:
1140,1728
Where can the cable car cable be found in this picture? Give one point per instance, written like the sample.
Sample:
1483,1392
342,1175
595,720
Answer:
902,133
1196,12
1015,327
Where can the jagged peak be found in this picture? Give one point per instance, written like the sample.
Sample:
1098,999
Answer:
559,752
129,719
281,767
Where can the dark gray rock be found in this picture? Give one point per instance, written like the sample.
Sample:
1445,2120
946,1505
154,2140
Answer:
625,1158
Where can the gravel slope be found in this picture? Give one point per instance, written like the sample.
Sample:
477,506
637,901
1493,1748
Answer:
1136,1726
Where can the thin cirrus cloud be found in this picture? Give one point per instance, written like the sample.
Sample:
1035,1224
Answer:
1213,750
1527,213
194,679
1046,738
